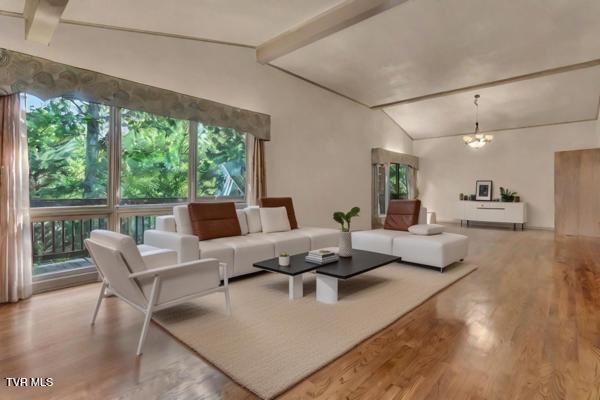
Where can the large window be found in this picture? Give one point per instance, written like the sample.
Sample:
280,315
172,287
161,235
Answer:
221,166
94,166
154,161
68,152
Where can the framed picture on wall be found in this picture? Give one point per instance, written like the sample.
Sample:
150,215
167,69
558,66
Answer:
483,190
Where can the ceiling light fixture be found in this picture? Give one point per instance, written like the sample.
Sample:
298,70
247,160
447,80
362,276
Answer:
477,140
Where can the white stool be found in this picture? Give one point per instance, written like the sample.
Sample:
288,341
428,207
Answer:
431,219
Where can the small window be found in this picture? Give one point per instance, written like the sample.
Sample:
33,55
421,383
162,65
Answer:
398,180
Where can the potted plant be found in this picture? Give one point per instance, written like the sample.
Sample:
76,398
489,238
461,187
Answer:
284,259
345,245
507,195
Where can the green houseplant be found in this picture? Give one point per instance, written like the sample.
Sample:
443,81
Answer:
345,245
507,195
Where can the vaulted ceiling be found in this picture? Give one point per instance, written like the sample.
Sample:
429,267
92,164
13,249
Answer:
534,62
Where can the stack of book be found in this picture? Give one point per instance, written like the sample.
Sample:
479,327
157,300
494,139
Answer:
321,257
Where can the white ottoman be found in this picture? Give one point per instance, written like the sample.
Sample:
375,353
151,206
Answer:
436,250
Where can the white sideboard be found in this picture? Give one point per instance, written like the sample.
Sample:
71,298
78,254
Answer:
493,211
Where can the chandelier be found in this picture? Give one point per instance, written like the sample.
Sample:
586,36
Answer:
477,140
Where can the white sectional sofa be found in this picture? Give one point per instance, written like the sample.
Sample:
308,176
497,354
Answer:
239,252
437,251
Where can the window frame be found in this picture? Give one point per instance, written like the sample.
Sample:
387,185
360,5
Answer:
113,210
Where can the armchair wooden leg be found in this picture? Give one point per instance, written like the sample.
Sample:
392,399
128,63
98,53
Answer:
148,317
99,301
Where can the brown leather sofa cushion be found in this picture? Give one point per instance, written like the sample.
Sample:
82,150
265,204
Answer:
214,220
402,214
286,202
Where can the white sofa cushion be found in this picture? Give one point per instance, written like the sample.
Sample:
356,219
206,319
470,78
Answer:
182,220
291,242
211,249
320,237
436,250
246,251
253,217
377,240
243,221
274,219
426,229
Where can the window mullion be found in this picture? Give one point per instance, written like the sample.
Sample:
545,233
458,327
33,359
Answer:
193,161
114,167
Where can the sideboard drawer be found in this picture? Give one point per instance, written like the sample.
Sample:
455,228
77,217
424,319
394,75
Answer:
489,214
514,213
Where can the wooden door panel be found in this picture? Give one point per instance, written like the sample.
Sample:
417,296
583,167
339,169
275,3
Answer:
577,192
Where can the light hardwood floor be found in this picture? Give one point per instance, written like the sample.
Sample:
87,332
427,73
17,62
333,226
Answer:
526,325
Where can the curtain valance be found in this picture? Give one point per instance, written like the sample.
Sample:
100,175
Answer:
46,79
383,156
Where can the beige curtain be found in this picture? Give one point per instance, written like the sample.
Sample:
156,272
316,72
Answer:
257,183
15,229
413,189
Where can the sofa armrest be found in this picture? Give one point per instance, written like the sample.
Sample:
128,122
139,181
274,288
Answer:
186,246
166,223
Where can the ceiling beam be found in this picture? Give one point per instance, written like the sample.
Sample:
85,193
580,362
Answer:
342,16
533,75
42,18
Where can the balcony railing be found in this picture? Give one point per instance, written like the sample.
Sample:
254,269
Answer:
58,244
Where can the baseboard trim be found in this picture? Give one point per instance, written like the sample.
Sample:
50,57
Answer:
63,282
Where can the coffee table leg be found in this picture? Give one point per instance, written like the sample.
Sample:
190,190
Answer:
296,287
327,289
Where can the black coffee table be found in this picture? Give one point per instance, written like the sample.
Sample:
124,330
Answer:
327,275
361,262
295,270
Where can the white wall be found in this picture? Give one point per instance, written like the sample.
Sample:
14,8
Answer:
321,142
521,160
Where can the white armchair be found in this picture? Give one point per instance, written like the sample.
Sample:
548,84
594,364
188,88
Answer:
124,272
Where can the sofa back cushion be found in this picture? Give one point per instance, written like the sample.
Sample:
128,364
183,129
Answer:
282,202
253,218
241,214
182,220
402,214
214,220
274,219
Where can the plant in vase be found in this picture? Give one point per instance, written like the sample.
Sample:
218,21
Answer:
507,195
284,259
345,246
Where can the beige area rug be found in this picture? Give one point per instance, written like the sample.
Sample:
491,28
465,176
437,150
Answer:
270,342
